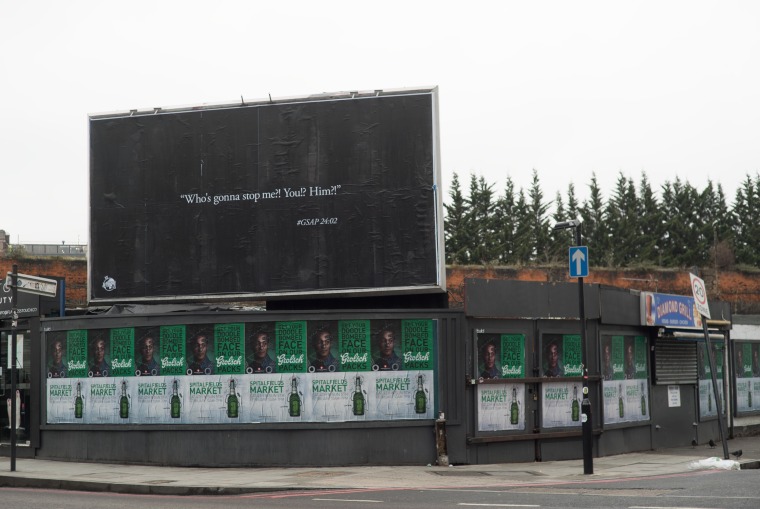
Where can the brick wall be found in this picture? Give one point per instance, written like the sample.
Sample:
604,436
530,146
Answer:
73,270
741,289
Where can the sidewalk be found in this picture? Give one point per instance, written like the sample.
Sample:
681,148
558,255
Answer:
138,479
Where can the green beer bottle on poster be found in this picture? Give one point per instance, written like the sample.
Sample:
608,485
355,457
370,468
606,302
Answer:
124,401
175,403
232,401
358,399
78,402
643,401
576,408
620,401
420,398
514,409
294,401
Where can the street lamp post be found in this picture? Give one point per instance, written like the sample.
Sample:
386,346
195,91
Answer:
587,429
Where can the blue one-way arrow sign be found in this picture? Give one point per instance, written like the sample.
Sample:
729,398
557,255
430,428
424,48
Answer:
579,261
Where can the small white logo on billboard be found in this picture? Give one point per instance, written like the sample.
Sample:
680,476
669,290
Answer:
109,284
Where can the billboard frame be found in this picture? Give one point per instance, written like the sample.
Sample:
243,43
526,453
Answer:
438,286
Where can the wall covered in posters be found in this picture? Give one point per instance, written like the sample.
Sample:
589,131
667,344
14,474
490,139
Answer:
290,371
625,388
708,406
747,368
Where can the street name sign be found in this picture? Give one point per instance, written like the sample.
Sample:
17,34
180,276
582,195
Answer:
33,284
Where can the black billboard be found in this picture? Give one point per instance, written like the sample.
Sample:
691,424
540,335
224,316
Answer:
325,195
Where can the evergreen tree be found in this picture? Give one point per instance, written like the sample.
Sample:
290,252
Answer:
594,228
523,232
746,213
559,240
481,221
715,229
455,225
650,224
505,219
622,223
572,203
539,223
683,246
685,227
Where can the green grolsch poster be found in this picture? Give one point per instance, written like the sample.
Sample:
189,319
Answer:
122,352
571,355
512,355
76,353
640,349
354,345
173,350
746,368
417,344
618,355
291,347
230,348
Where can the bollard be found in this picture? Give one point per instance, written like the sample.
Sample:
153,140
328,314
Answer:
440,440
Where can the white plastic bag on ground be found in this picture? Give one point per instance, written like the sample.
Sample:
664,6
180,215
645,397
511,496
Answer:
714,463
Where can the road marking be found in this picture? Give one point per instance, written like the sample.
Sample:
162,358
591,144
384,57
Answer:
665,507
499,505
348,500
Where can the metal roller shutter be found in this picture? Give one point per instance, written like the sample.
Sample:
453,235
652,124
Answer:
675,361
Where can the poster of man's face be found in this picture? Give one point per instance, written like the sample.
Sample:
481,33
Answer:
322,347
629,358
552,356
147,351
200,346
98,353
489,354
260,348
607,358
739,358
57,355
385,347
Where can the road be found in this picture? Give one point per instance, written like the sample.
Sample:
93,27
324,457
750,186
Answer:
702,490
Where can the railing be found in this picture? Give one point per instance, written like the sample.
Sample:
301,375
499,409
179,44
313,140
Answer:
77,250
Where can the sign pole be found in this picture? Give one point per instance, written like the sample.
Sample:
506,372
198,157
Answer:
587,429
703,308
14,326
718,401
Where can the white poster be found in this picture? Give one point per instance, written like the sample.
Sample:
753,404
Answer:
674,396
19,351
708,406
625,401
249,398
501,407
561,404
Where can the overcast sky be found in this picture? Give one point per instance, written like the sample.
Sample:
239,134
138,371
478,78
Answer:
670,88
